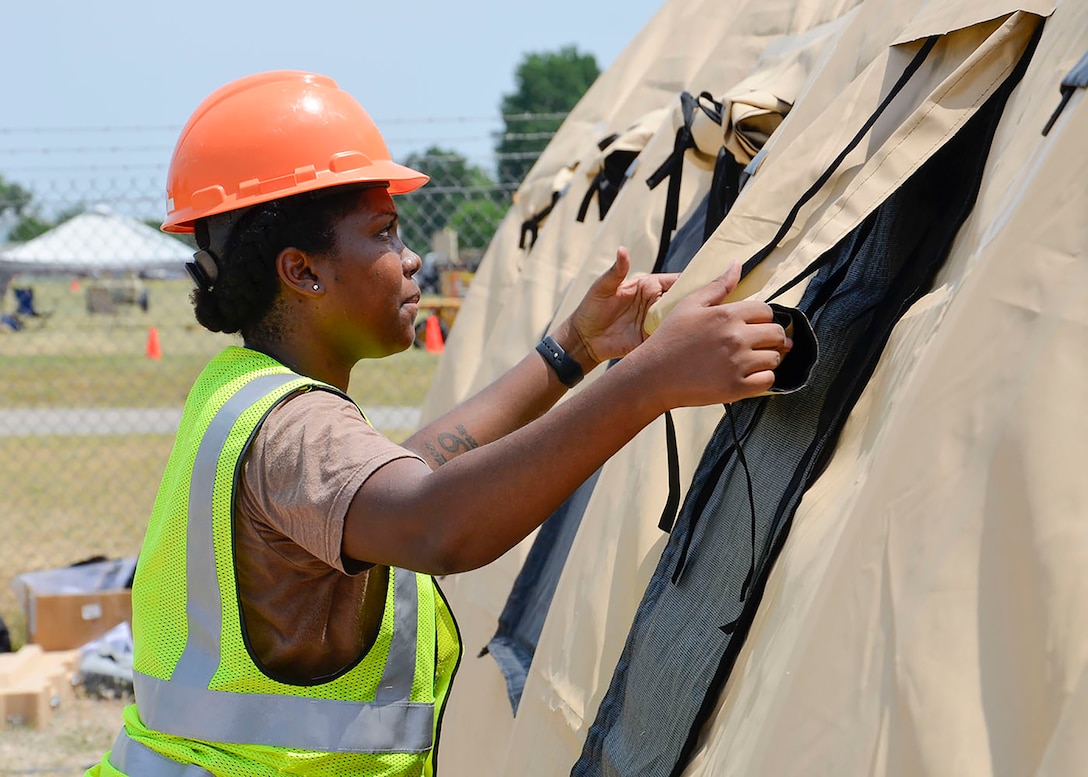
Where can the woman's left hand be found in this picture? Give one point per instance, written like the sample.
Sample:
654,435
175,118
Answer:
609,319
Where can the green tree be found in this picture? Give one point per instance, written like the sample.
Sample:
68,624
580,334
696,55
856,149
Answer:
13,196
28,228
32,224
476,221
547,87
454,182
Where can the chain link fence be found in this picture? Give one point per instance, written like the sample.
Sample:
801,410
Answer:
95,366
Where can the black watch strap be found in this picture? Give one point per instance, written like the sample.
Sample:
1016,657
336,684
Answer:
566,367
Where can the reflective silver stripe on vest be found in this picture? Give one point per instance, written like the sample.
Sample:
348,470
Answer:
137,760
323,725
185,705
200,659
397,676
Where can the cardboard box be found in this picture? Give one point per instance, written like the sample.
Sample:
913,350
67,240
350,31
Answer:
68,607
66,621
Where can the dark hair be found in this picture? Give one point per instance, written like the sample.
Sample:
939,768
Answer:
242,296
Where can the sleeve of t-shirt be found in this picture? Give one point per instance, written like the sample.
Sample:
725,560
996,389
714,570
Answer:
310,456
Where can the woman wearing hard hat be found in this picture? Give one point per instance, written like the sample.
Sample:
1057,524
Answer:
284,614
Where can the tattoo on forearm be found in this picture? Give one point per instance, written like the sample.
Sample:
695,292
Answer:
468,437
438,457
452,444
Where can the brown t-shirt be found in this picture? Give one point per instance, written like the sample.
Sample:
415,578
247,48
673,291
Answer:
309,613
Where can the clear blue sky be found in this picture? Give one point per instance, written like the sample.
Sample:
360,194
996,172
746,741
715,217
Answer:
100,90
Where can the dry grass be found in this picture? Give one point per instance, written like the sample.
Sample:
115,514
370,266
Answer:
71,498
74,359
81,730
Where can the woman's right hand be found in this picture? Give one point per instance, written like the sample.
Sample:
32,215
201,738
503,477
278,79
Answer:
706,352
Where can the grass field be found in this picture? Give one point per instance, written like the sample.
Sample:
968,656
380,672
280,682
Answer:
65,497
71,358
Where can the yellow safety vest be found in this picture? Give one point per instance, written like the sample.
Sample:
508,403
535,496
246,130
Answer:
203,706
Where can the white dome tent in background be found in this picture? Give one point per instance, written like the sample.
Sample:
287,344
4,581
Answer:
96,241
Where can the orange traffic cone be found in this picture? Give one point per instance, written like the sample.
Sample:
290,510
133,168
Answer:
433,336
154,349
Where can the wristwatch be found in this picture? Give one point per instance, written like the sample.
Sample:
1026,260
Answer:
566,367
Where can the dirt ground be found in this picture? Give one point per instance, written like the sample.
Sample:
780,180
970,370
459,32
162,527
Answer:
81,730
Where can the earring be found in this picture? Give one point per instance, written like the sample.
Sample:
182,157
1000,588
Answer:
316,287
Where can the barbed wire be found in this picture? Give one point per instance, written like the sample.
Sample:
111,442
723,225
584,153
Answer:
66,168
34,156
508,118
51,150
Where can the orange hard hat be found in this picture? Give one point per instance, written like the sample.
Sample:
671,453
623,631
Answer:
271,135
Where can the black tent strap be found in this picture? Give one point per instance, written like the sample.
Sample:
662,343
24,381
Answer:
608,181
688,103
672,503
724,188
1075,79
595,184
594,187
529,229
670,511
909,71
738,447
673,166
531,226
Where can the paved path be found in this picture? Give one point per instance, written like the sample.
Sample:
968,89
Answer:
164,420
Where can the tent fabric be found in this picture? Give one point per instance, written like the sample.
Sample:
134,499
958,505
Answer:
945,540
530,597
971,62
921,618
506,319
609,170
97,240
748,113
516,288
646,75
536,202
709,580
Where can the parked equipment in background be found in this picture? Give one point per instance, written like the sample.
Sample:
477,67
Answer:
106,296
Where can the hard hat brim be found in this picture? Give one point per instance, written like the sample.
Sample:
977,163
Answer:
399,179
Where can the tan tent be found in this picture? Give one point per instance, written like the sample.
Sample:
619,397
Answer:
925,614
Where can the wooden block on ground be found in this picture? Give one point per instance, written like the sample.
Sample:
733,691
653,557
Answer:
32,682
